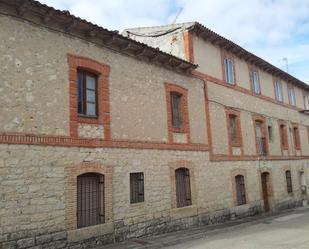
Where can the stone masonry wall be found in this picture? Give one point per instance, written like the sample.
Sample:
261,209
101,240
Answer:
33,192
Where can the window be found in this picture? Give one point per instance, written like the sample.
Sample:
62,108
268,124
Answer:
183,188
90,200
234,129
283,136
270,133
240,190
278,89
176,110
296,137
288,181
87,93
255,82
291,93
306,102
136,187
229,70
261,142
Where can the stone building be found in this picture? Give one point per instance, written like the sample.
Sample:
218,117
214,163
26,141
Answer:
104,138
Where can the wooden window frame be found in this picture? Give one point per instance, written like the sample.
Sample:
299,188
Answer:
137,187
296,137
251,70
289,182
284,143
291,90
185,126
85,73
281,89
102,71
262,120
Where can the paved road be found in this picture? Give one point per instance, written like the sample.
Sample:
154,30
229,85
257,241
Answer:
286,232
289,230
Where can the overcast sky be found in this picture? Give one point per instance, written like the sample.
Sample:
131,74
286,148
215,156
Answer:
271,29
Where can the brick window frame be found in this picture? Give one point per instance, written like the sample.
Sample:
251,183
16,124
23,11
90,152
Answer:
226,55
252,69
173,166
239,142
235,173
284,142
262,120
185,126
71,174
296,136
76,63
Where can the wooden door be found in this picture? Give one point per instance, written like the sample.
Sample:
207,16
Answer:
265,190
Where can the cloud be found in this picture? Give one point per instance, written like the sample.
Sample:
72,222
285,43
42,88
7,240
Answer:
272,29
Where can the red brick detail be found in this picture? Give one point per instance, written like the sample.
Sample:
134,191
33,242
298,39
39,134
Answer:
188,46
235,173
238,143
102,70
224,55
71,173
221,82
284,144
173,167
31,139
185,126
261,119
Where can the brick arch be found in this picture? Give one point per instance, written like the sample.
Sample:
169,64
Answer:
173,166
234,173
71,173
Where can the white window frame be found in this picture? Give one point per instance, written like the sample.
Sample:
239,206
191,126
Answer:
229,71
256,87
291,93
278,90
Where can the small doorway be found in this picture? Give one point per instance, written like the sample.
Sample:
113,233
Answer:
265,190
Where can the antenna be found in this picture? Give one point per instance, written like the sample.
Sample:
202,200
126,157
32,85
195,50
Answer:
178,14
287,63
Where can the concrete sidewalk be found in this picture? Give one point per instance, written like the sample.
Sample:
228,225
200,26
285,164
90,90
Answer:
193,234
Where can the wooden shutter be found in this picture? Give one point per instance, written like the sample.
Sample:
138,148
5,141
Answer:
176,109
183,187
240,190
90,200
136,187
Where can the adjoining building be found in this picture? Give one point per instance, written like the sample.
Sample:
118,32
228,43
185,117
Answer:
104,138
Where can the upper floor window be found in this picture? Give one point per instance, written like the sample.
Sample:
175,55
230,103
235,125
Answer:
229,70
296,137
261,140
240,190
283,136
291,93
87,93
176,110
183,187
255,81
306,102
278,89
136,187
234,129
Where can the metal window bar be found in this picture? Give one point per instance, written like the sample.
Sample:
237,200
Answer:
240,190
289,181
261,141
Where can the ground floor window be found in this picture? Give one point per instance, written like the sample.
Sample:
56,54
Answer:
240,190
90,200
136,187
183,188
288,177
